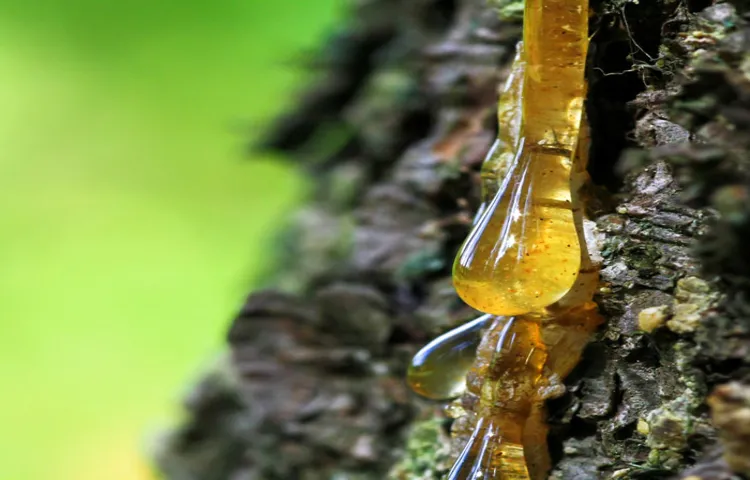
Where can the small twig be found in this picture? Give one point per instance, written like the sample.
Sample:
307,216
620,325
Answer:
632,38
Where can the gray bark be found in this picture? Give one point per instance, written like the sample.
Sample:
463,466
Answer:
393,134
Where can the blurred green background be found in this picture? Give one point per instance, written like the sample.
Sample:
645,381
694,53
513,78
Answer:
130,222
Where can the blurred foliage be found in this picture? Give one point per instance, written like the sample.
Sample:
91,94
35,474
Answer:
129,221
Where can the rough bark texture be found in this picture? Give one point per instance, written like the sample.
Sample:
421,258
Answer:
393,133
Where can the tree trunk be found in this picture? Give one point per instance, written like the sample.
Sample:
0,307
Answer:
393,133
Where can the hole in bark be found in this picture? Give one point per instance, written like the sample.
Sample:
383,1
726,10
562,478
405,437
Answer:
625,53
581,429
625,432
610,120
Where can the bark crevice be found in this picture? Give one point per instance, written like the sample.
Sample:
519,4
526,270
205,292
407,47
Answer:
313,387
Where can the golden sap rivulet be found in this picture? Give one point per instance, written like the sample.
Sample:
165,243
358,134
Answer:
525,263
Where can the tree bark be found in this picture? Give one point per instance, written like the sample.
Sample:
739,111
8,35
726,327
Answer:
392,133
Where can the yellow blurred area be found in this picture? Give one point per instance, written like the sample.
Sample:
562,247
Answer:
131,223
111,456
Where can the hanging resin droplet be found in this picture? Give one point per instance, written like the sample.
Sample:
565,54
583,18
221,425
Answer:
438,370
523,253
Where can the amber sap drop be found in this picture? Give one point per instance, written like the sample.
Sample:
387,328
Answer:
438,371
523,253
